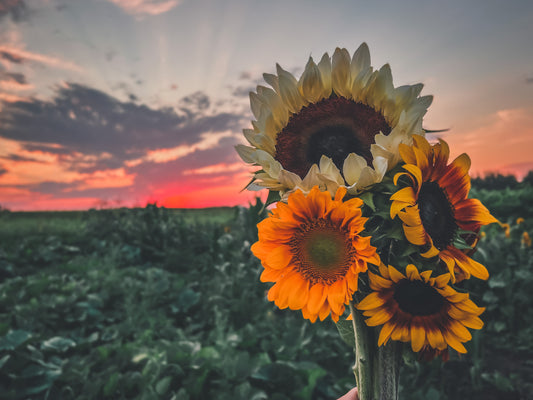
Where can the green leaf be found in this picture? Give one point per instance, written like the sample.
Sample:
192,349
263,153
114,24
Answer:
314,375
496,282
279,374
161,387
432,394
58,343
409,249
500,326
460,243
368,199
14,339
273,197
346,331
4,359
111,384
187,299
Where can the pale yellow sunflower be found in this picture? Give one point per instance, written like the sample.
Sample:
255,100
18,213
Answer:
420,309
340,124
434,206
313,250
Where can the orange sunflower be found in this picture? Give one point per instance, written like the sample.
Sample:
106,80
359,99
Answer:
434,207
313,250
420,309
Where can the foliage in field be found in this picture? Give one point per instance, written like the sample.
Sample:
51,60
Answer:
144,304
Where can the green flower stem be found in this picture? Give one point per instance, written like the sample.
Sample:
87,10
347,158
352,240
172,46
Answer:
387,376
363,361
376,370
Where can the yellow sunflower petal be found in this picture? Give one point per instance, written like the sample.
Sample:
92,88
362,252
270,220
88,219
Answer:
415,234
395,275
416,172
407,154
406,195
373,300
377,282
469,265
385,333
378,318
412,272
460,331
435,338
411,217
418,337
432,252
473,322
453,342
397,206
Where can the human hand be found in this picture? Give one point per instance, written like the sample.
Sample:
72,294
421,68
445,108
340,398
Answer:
351,395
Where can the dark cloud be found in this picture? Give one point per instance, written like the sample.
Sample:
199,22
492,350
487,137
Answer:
9,56
529,80
109,55
88,121
243,91
13,77
197,101
89,130
249,84
15,8
17,157
50,187
46,148
245,75
125,88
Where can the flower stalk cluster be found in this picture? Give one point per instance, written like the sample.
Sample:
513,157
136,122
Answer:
368,213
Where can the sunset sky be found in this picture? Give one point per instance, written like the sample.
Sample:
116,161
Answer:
107,103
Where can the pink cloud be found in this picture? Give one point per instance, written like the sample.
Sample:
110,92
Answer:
15,86
217,168
146,7
34,167
208,141
21,55
111,178
504,139
11,98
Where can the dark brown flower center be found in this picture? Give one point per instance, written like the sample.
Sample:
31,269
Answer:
437,214
418,298
334,127
322,251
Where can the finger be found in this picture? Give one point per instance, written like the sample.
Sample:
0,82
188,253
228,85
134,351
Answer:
351,395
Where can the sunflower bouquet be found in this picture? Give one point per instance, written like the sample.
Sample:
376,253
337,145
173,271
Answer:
372,224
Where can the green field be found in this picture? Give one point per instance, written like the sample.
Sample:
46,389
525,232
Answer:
166,304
